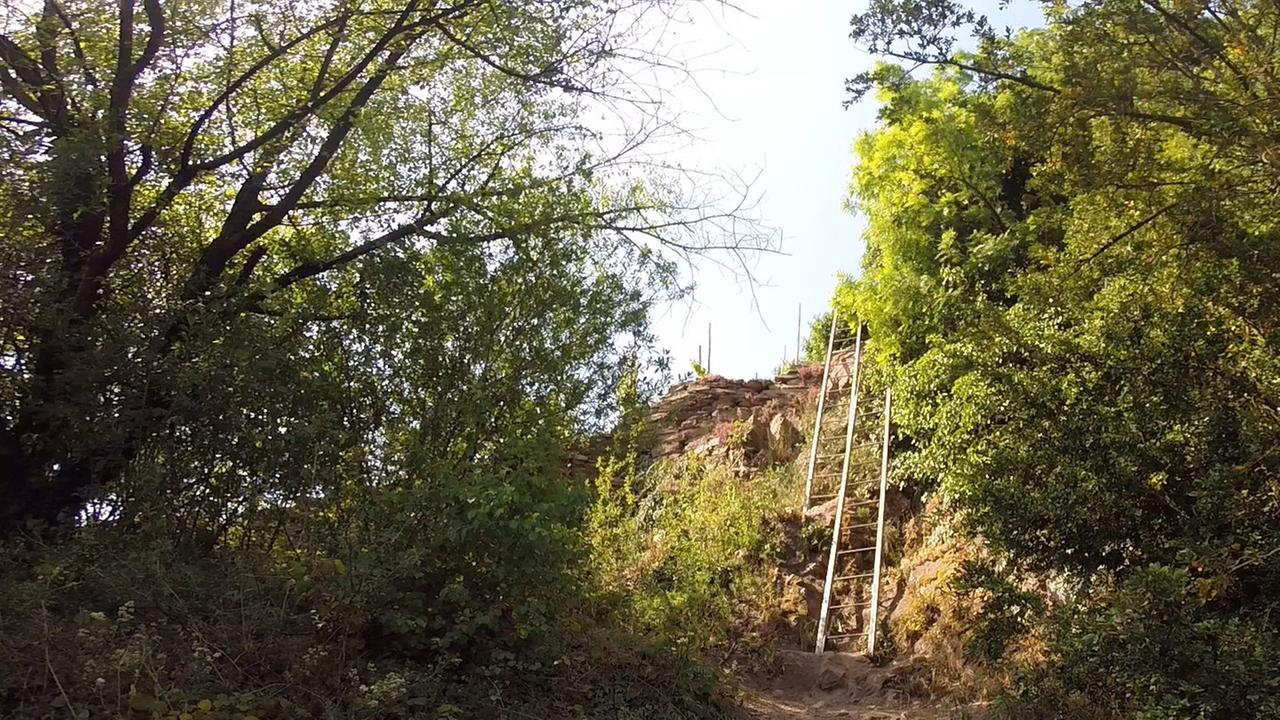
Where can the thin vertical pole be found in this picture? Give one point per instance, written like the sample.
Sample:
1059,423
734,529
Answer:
700,357
823,618
817,424
708,348
875,574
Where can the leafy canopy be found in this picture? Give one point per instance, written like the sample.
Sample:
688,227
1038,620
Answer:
212,201
1072,275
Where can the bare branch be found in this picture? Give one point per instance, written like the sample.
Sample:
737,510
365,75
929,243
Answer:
1128,231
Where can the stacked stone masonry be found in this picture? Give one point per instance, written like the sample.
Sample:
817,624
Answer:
761,421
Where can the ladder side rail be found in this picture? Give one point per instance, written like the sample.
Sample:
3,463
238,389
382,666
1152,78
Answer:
817,423
875,573
823,617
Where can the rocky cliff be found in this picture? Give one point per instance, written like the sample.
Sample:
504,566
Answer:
753,422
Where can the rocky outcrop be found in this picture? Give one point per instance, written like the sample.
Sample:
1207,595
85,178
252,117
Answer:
750,423
753,422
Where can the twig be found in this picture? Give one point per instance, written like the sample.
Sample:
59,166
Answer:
48,663
1132,229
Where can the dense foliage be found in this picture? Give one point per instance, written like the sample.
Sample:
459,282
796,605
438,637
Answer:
303,305
687,550
1073,275
192,208
307,310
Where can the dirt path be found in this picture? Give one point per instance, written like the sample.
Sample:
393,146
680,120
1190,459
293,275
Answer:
842,686
770,709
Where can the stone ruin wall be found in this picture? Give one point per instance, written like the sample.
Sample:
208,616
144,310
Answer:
760,421
751,423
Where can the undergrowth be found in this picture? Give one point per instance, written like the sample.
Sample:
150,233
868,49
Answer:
684,554
456,623
612,602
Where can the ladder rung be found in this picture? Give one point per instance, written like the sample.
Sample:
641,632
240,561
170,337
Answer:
836,474
832,495
858,446
863,503
846,636
844,415
848,484
849,605
865,461
855,446
849,502
856,550
852,483
858,526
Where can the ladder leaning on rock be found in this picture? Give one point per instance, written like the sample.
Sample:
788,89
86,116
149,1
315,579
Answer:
850,588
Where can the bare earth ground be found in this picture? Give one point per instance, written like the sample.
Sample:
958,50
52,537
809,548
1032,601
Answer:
839,685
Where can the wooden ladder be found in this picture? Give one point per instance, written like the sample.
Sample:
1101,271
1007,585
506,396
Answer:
850,587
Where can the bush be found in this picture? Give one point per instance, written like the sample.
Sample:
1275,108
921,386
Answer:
683,553
1152,648
453,600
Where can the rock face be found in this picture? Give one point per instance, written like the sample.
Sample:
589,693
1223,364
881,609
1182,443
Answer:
751,422
841,685
832,675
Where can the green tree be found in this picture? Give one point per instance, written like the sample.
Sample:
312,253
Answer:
206,204
304,306
1072,277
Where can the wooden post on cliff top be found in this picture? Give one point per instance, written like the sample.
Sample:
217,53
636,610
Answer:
708,366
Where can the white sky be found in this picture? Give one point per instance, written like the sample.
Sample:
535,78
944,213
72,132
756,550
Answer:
779,97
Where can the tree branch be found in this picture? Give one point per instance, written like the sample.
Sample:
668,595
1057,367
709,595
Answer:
232,240
312,269
77,48
1025,80
121,183
189,170
27,83
1212,47
1131,230
547,76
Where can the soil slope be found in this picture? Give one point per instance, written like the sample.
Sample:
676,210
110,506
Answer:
841,685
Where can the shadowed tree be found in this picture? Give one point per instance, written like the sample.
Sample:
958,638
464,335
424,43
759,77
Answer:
173,168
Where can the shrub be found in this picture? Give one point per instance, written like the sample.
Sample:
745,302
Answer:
686,558
1151,648
451,600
